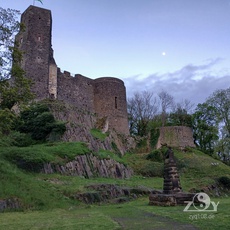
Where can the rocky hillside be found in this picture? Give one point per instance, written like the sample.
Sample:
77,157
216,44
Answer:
81,125
90,166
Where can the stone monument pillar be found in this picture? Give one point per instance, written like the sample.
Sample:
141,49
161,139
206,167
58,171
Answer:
171,177
172,192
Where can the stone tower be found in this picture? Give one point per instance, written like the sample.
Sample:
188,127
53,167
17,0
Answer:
110,102
35,42
104,96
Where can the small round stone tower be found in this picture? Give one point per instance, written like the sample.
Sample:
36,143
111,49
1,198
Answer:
110,102
34,40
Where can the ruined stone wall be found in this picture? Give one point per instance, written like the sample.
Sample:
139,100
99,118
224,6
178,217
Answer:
110,101
104,96
77,90
176,136
35,42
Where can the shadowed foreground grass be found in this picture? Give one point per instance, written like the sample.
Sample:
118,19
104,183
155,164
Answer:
47,202
135,215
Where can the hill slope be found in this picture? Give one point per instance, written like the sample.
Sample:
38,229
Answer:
37,191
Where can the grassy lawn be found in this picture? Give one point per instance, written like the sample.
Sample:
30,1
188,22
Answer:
47,202
134,215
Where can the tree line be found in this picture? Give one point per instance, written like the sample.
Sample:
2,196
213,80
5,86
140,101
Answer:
210,120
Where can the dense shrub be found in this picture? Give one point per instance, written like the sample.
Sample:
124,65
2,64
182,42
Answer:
7,119
225,181
154,136
39,122
16,139
142,145
20,139
156,155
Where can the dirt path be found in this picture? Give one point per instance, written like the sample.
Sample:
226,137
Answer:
141,220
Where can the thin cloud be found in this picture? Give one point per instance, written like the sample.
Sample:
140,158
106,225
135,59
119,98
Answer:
192,82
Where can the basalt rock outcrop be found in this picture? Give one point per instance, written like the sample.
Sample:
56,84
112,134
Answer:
103,193
90,166
79,124
10,204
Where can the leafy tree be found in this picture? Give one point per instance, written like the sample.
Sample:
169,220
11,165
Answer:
7,119
223,149
166,102
205,127
9,26
220,100
180,117
14,87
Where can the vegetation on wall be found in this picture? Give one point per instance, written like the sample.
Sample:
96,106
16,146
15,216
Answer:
98,134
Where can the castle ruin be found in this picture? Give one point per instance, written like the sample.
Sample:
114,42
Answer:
104,96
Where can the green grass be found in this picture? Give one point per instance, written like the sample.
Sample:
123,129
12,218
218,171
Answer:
33,157
134,215
70,185
195,168
106,154
198,171
57,219
46,202
98,134
32,192
203,220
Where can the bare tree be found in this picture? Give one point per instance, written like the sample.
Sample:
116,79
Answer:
166,102
142,108
184,105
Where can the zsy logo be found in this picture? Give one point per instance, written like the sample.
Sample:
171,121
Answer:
201,203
